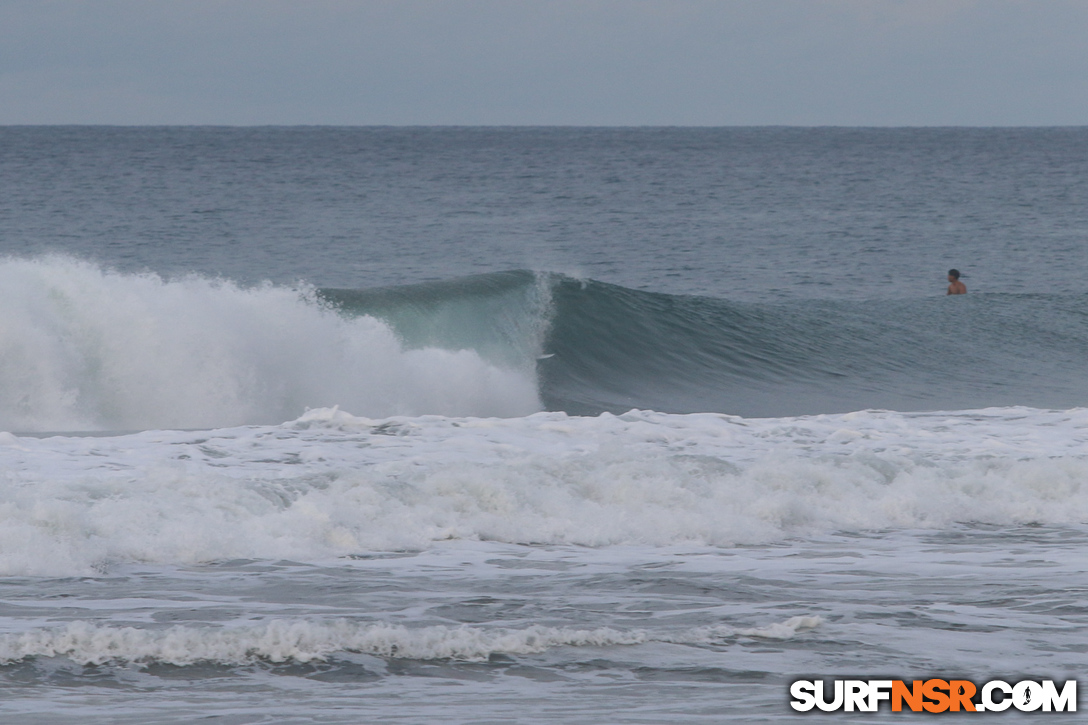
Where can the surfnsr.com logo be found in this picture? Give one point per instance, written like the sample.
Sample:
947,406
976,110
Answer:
935,696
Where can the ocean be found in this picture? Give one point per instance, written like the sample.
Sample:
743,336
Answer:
536,425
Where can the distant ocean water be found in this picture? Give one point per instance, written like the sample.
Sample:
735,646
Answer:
332,425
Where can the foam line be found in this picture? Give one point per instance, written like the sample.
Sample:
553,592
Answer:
281,641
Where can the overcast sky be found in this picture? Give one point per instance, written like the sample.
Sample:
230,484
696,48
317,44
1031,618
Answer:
544,62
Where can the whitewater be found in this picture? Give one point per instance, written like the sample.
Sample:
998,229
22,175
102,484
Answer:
457,450
86,349
330,485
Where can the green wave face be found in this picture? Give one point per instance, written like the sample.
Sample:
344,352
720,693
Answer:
601,347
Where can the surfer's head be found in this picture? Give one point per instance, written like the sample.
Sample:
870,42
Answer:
953,274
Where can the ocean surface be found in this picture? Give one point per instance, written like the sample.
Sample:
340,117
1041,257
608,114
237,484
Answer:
536,425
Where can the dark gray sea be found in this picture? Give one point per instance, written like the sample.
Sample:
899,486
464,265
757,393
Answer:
579,425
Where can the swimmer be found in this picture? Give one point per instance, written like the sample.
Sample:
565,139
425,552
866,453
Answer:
955,287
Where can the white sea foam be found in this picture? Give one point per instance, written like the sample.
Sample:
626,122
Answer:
330,484
86,349
304,641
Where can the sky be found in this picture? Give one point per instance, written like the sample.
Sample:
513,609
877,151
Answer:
545,62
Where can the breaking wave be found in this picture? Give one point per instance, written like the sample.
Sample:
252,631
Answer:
83,348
